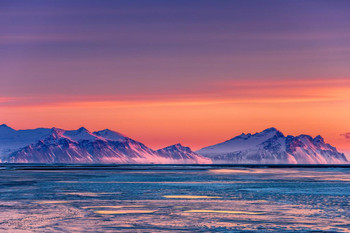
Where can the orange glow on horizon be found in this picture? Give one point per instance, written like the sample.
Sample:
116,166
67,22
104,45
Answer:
198,120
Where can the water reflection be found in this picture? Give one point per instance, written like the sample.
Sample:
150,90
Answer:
189,197
124,211
223,212
207,200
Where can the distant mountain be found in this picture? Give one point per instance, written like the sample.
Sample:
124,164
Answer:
272,147
82,146
45,145
12,140
182,154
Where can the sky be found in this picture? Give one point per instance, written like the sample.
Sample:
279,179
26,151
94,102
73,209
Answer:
164,72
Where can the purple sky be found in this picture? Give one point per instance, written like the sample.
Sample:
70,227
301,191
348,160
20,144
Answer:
127,47
194,52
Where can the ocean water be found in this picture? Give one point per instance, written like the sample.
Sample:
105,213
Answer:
85,198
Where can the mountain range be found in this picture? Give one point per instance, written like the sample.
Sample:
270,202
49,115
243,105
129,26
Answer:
272,147
54,145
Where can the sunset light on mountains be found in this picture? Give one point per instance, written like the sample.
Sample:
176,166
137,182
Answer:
160,116
164,73
180,71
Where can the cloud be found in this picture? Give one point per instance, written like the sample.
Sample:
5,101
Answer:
346,135
239,92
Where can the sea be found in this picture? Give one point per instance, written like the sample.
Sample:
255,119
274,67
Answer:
174,198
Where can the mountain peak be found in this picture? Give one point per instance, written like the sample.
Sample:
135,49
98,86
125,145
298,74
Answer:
109,131
4,126
177,147
318,139
110,135
4,129
82,129
271,129
182,154
57,131
271,146
304,136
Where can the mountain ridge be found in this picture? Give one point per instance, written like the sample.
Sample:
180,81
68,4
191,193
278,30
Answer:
55,145
272,146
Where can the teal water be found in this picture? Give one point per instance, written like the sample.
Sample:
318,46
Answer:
151,198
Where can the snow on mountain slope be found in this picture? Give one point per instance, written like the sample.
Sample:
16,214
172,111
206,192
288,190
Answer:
61,149
82,146
81,134
12,140
271,146
241,142
107,146
182,155
306,149
110,135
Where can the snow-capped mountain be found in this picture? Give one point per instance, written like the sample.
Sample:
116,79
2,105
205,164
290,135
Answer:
181,154
82,146
44,145
272,147
12,140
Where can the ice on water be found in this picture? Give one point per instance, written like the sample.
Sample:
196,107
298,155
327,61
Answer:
178,198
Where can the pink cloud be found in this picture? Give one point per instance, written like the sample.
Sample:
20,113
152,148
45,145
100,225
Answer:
346,135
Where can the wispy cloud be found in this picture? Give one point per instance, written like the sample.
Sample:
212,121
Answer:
346,135
240,92
12,39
